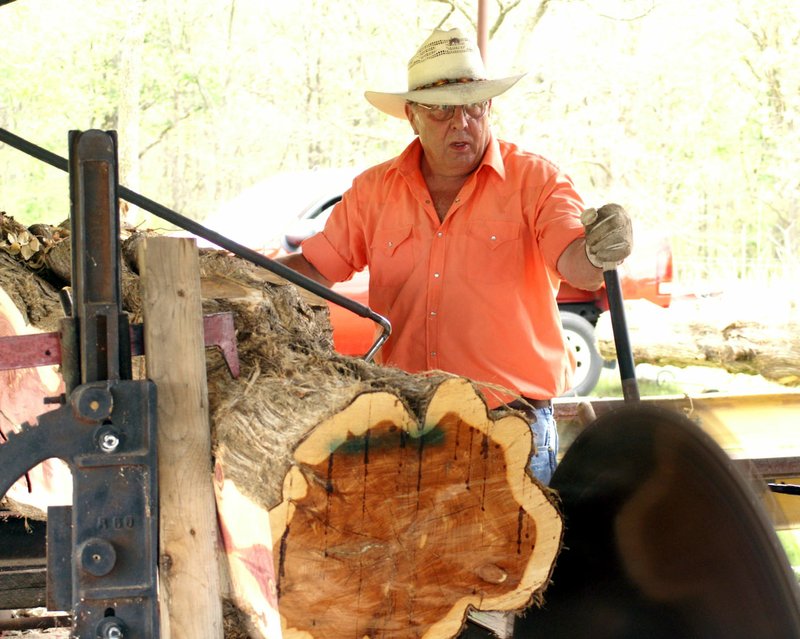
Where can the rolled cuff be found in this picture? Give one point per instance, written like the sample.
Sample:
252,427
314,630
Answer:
320,252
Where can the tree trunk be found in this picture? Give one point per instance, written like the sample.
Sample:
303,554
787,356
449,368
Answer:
357,499
665,337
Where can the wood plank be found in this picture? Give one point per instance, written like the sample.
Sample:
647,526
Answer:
22,584
758,432
754,426
175,359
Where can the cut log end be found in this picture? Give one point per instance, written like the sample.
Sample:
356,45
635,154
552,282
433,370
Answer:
394,528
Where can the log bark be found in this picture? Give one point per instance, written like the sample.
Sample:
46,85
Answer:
360,500
769,347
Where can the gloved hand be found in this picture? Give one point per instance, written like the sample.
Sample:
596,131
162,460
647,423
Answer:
609,236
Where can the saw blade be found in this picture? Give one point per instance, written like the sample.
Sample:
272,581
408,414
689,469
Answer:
664,537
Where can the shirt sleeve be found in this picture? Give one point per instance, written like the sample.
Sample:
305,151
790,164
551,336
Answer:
338,251
557,212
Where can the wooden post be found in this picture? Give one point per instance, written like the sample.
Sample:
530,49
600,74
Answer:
175,360
483,30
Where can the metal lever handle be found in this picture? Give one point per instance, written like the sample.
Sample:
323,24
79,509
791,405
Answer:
271,265
622,341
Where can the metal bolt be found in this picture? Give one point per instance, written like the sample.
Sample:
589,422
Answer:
92,403
110,628
113,632
97,557
109,442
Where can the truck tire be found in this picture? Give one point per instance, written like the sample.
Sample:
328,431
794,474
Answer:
579,334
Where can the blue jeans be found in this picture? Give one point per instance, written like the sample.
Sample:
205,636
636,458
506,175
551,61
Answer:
545,436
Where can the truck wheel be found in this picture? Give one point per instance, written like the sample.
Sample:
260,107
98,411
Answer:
579,334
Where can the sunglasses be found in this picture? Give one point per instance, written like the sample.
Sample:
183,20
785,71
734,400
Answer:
443,112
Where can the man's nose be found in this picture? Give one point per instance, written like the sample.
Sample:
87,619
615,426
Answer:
459,119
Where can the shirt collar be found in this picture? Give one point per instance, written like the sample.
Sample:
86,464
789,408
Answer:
493,158
407,163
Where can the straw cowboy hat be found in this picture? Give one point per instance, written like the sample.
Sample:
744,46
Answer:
446,69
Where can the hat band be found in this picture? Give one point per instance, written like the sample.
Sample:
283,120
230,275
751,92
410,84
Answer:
446,81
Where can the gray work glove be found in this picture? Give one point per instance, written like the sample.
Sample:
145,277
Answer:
609,236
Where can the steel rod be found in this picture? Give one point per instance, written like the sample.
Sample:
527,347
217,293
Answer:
195,228
622,341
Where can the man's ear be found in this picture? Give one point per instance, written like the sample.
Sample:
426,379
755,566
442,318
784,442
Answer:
412,117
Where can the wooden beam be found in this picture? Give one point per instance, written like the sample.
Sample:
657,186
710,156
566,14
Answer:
175,359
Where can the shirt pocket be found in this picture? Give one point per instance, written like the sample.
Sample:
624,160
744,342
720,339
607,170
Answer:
393,256
495,250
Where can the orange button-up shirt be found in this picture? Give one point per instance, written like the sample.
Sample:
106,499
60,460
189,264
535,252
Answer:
474,294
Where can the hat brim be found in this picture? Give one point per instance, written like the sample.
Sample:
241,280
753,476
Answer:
466,93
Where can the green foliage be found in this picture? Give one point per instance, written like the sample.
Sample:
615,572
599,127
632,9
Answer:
790,540
610,385
685,111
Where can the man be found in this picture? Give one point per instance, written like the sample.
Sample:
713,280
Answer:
467,238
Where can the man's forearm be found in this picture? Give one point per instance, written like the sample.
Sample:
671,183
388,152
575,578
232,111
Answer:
298,262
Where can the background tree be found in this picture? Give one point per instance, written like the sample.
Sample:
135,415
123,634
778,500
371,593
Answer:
685,111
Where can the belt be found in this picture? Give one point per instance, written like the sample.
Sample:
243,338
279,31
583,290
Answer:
527,402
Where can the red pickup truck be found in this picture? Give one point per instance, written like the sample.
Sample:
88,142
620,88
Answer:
275,215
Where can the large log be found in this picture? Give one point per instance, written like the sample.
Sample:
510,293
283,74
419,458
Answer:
396,502
28,305
359,499
392,525
738,341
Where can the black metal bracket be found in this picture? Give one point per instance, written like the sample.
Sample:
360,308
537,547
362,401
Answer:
102,551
